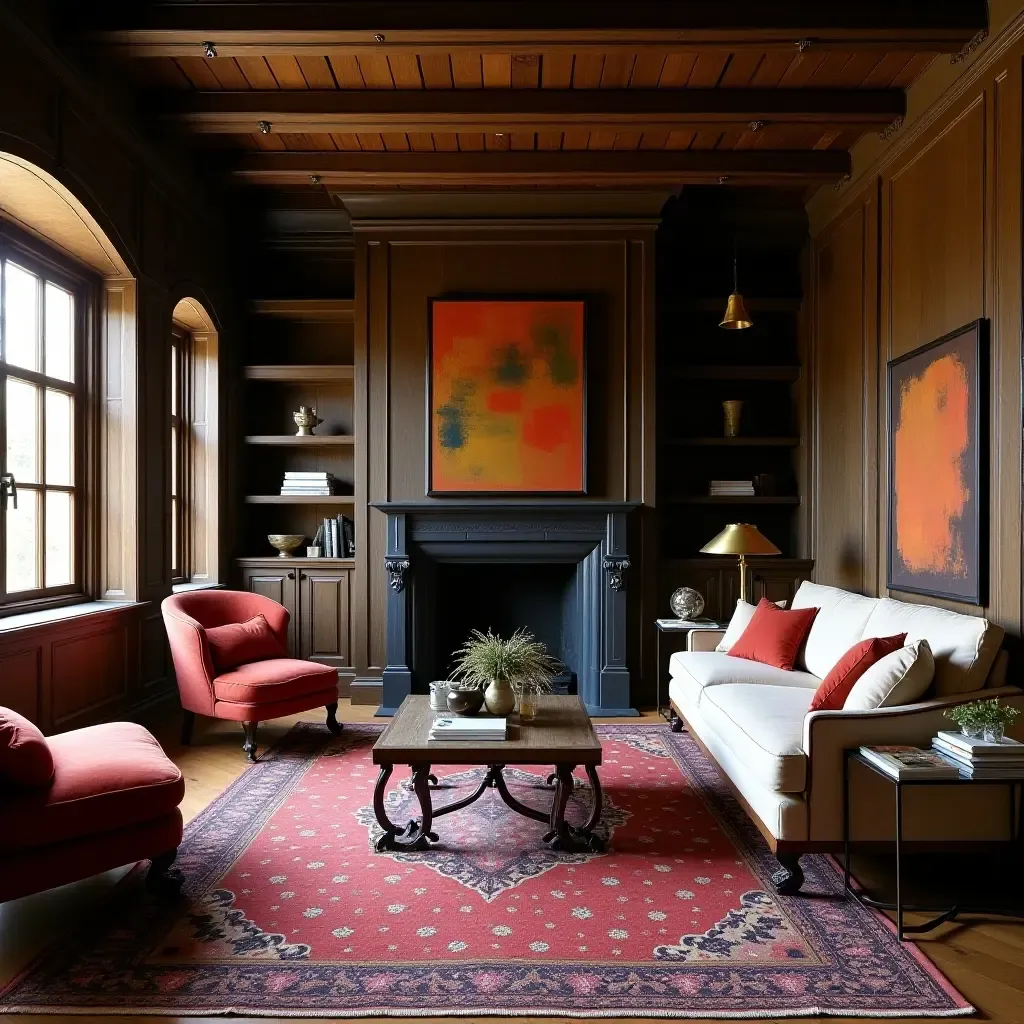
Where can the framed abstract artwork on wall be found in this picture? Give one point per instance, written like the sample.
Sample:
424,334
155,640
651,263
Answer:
938,467
507,397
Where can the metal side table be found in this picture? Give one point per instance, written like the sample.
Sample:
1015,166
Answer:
942,914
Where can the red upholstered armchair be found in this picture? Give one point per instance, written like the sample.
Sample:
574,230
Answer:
252,692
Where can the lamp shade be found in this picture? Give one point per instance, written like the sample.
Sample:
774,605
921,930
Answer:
740,539
736,316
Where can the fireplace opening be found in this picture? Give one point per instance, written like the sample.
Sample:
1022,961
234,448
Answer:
540,597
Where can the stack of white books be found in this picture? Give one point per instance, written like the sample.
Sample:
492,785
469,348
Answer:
981,759
899,762
476,729
318,483
731,488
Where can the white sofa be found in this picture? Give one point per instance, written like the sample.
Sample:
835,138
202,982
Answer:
785,765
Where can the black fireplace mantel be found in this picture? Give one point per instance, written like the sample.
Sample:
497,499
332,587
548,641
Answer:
589,534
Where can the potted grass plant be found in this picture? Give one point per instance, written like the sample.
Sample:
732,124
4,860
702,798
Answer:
519,667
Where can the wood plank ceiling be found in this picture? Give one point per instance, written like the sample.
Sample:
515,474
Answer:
418,94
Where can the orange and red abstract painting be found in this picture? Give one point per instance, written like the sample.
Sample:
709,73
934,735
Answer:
507,398
936,480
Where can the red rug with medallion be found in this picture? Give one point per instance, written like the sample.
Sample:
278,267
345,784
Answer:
287,909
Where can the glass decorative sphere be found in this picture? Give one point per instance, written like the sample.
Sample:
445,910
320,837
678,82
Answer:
686,603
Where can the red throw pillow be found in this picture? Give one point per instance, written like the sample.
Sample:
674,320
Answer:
774,636
240,643
25,758
833,690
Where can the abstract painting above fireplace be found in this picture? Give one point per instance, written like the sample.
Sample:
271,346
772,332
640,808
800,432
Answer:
558,568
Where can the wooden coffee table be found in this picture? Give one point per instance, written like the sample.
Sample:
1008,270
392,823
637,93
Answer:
561,735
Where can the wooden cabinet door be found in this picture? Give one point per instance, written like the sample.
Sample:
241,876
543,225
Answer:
324,616
280,585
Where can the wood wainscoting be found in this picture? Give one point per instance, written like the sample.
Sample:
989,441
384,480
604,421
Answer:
92,664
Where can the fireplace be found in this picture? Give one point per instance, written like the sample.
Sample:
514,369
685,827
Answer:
559,568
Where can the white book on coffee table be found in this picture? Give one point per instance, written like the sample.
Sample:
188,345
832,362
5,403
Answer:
446,728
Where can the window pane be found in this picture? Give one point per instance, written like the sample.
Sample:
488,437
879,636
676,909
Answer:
21,317
60,438
60,322
22,538
23,431
175,559
174,461
59,539
174,380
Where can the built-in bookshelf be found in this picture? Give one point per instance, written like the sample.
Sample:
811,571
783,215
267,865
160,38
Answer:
700,365
300,353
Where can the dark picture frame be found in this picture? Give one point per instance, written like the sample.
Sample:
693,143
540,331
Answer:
432,411
938,464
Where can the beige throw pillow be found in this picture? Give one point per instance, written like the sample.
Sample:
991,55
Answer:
738,623
902,677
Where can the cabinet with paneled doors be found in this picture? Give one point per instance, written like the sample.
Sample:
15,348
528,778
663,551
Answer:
317,597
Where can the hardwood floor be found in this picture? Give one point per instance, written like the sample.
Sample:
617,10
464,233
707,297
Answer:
984,959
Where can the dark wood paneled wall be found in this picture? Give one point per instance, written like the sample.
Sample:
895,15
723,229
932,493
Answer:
927,244
170,238
399,267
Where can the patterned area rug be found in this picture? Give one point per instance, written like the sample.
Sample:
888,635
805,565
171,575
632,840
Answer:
289,911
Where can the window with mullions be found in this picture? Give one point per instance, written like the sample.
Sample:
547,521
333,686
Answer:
41,318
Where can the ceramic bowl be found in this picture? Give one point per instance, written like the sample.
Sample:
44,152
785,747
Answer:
465,701
286,543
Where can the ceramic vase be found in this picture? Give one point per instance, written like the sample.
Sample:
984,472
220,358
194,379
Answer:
732,407
499,697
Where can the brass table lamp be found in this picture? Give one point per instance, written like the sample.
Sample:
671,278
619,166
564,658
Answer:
740,539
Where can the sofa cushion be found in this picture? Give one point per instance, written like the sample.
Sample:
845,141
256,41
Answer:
836,686
838,625
25,758
964,646
710,668
262,682
901,677
239,643
774,637
106,777
738,623
763,725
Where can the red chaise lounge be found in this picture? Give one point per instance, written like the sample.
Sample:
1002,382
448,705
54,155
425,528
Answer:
230,656
83,802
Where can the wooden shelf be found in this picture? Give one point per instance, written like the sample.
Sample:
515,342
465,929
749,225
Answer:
734,499
294,441
733,442
720,372
762,305
339,310
300,499
331,563
302,372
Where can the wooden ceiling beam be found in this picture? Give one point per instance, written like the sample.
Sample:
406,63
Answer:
178,29
513,169
530,110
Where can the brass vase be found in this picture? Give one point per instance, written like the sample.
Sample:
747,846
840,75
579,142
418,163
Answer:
499,697
733,407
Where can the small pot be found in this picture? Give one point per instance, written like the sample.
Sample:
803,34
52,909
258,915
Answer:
465,701
499,697
994,733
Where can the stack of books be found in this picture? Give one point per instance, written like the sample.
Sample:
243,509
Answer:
900,762
731,488
475,729
320,484
981,759
336,537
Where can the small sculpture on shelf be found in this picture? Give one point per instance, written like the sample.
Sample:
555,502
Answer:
686,603
732,408
306,420
285,543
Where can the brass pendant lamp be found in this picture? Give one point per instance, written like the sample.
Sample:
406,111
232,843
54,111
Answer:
736,317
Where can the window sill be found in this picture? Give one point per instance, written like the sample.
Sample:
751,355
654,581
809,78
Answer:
45,616
185,588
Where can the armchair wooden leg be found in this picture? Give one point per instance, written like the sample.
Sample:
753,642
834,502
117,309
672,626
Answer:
788,881
161,876
333,724
188,720
249,746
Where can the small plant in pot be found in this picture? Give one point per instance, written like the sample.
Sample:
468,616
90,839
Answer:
506,669
986,719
